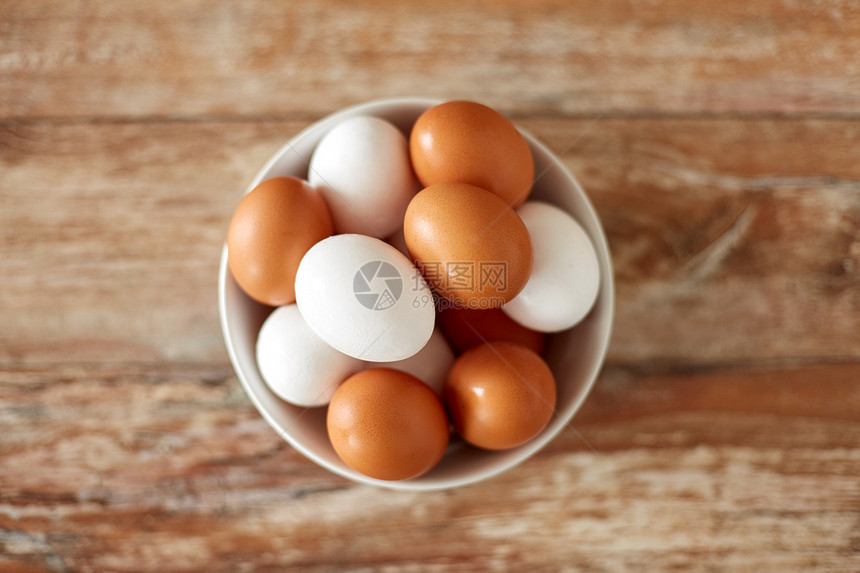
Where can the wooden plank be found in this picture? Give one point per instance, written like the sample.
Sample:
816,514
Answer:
302,59
722,434
732,240
145,468
111,236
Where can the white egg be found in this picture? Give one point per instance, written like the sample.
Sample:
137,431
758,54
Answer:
296,365
363,170
364,298
430,364
565,277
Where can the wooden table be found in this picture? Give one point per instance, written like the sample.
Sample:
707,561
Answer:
720,143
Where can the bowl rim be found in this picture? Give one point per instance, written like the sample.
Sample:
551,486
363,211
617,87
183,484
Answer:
563,419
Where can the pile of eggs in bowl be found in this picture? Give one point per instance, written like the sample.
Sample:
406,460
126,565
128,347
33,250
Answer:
413,284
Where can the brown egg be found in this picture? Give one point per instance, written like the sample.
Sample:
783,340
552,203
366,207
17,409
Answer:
465,328
472,248
271,230
464,141
387,424
499,395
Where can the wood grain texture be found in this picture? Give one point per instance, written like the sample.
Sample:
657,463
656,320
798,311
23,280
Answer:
145,468
718,142
166,58
732,240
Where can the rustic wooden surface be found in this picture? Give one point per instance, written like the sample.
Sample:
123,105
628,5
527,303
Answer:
724,162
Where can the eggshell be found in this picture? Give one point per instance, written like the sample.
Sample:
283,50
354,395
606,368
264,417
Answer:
364,298
430,364
271,230
565,279
463,141
362,168
499,395
296,365
387,424
471,247
466,328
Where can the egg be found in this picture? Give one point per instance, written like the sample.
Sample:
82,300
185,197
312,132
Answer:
362,168
364,298
466,328
565,279
387,424
296,365
463,141
470,246
499,395
271,230
398,241
430,364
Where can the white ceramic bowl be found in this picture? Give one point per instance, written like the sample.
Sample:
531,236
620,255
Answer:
575,356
